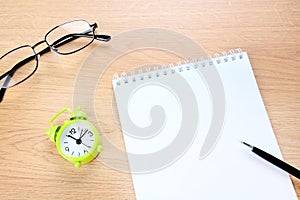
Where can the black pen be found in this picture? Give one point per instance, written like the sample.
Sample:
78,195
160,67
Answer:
275,161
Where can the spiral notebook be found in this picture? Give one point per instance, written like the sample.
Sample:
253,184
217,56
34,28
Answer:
182,126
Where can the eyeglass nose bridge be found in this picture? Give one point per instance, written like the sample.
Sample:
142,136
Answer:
40,42
44,50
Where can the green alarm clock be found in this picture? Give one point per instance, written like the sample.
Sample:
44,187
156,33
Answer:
77,140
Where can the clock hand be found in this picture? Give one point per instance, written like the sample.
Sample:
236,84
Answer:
83,133
71,137
80,132
86,145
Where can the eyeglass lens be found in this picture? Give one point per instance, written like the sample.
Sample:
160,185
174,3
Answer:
70,30
14,58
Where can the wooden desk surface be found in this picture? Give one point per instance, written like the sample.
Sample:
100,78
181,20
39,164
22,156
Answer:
30,166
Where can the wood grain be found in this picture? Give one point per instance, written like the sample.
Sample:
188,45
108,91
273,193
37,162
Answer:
31,167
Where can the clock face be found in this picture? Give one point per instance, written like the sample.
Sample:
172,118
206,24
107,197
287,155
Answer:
77,139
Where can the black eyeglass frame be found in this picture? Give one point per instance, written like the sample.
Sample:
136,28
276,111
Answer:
61,41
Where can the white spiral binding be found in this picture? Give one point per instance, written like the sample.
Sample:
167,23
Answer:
162,70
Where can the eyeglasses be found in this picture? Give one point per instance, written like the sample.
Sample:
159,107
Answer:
17,65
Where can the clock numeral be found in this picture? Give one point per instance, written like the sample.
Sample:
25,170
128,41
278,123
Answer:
72,153
72,131
90,133
67,149
78,153
85,151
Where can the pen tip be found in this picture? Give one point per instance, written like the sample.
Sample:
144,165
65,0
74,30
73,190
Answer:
247,144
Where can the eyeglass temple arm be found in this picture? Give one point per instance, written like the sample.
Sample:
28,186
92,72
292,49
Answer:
10,74
70,37
2,93
3,90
